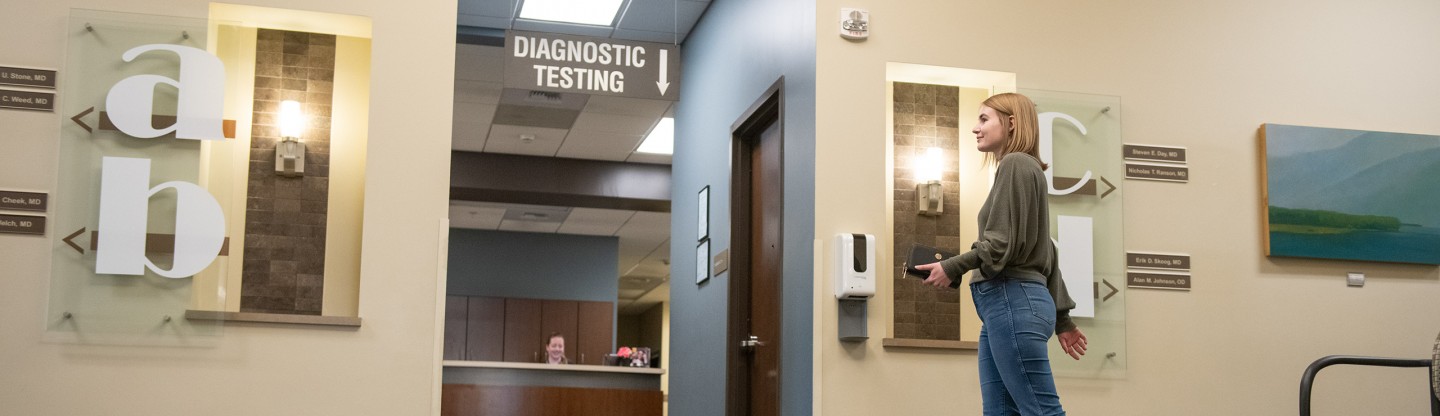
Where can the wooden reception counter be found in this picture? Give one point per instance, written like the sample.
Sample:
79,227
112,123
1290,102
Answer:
504,388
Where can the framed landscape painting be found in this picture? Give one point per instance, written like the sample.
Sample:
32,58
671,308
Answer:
1351,194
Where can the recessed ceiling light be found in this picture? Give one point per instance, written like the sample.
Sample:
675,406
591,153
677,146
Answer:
585,12
661,139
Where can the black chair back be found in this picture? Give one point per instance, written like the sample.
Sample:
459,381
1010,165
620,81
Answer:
1435,370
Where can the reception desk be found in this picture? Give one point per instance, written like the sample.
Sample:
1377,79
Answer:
505,388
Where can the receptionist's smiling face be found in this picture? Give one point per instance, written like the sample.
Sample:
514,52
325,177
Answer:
556,348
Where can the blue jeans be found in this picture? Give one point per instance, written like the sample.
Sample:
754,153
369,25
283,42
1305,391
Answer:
1018,318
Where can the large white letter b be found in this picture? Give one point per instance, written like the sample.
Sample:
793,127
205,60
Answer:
124,214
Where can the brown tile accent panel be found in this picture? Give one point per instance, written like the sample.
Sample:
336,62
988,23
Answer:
925,116
284,264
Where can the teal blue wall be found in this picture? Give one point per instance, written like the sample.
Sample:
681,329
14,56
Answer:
737,51
533,265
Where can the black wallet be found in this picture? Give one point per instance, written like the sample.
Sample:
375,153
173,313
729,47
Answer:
923,254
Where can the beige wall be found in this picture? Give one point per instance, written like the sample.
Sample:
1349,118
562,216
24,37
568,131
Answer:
387,367
1203,75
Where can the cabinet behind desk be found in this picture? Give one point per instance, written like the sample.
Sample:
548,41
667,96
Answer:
481,328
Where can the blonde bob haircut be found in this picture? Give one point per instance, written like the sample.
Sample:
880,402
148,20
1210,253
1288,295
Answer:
1024,131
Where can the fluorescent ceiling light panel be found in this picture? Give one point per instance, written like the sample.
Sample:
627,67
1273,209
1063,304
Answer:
661,139
585,12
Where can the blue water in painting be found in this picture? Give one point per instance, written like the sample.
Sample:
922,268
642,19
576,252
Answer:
1409,245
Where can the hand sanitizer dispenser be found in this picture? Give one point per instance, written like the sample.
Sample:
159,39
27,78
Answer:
856,266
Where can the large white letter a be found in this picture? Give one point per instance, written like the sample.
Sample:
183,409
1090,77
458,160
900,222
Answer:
200,110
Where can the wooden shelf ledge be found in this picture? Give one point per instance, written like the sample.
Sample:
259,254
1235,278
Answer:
929,343
273,318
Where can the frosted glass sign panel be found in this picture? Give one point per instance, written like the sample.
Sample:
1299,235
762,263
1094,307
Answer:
134,219
1080,140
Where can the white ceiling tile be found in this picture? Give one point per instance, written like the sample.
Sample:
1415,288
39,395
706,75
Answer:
639,107
645,233
474,113
562,28
634,251
647,223
598,146
529,226
649,269
468,146
506,139
479,63
592,221
659,15
654,297
649,158
469,136
645,35
479,92
613,123
476,20
502,8
476,217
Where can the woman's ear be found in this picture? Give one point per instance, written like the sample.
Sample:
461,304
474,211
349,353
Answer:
1012,123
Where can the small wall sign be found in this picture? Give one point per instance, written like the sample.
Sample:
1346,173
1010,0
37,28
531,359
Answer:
24,201
27,100
1154,153
1157,261
1157,172
27,77
1158,281
22,224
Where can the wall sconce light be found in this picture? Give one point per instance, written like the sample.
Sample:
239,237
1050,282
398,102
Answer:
290,151
928,192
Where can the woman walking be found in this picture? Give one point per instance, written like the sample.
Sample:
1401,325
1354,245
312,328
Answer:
1018,291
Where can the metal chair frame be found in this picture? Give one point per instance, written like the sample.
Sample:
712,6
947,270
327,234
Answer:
1308,380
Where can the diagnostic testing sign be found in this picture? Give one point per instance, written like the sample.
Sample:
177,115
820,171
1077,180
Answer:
577,64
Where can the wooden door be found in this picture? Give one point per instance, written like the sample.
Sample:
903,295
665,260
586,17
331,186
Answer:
485,335
753,353
597,336
559,316
456,317
523,340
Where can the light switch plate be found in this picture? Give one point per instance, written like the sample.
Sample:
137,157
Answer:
1355,279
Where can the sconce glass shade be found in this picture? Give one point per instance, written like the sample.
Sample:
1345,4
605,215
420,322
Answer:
290,150
929,194
927,165
291,120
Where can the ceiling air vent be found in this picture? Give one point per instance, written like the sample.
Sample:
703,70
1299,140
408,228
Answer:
544,97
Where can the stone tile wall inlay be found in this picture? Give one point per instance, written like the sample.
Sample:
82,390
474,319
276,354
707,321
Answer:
284,265
925,116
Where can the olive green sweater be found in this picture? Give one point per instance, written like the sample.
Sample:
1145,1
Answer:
1015,235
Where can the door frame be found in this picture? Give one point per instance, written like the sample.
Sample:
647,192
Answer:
744,134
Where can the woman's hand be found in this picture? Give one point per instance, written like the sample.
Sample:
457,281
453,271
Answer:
1074,343
937,275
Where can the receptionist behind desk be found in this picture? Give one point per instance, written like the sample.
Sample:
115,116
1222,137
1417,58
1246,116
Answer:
555,349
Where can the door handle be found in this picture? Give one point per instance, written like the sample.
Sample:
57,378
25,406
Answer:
750,343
